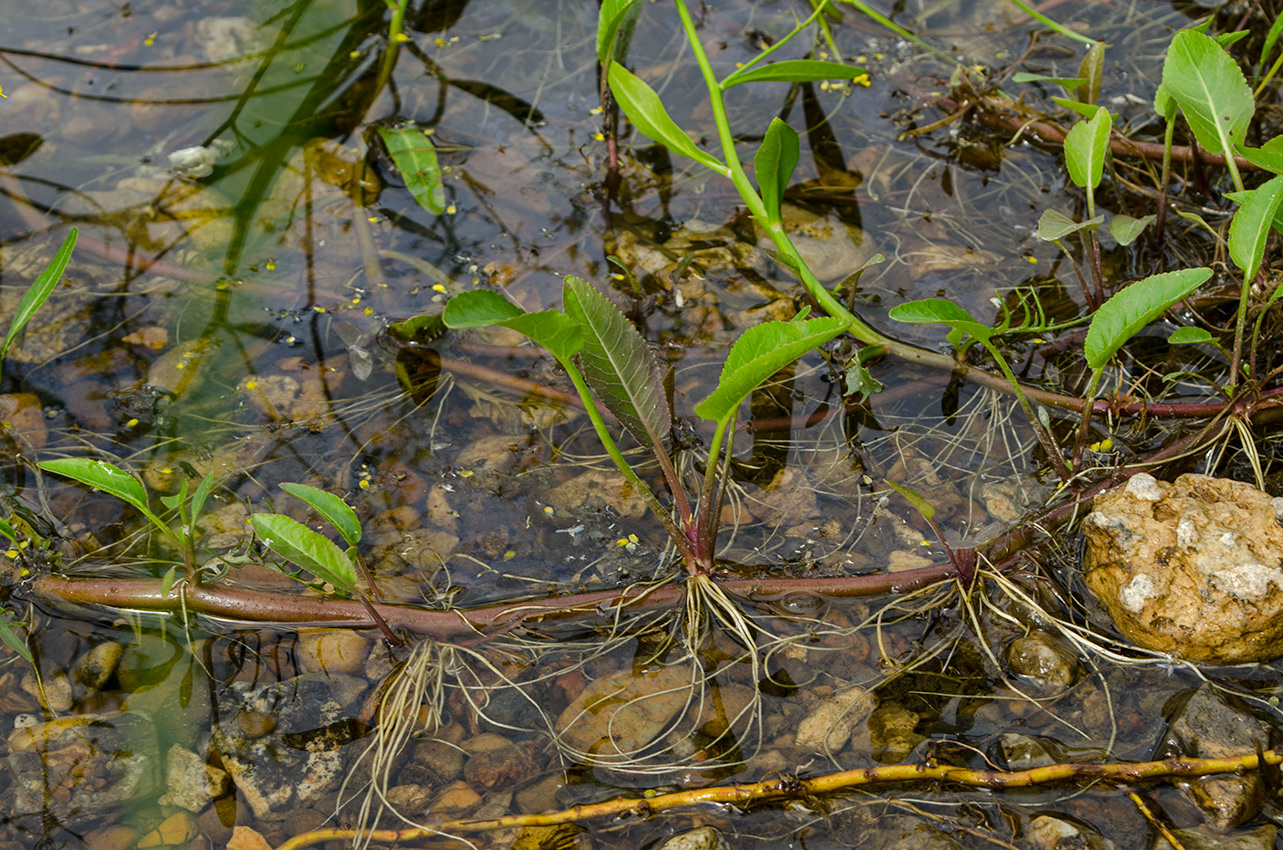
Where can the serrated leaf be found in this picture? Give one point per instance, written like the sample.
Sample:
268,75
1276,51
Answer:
618,364
1251,226
644,108
1086,145
759,353
941,311
616,21
1190,336
335,511
1210,89
774,164
1126,229
1055,225
795,71
915,498
39,291
103,476
415,158
302,546
1123,315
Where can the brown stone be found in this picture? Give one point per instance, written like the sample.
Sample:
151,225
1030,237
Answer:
332,651
504,767
114,837
244,838
1190,568
456,798
178,828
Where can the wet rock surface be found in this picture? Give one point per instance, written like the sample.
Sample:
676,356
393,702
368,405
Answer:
1191,567
84,767
1209,725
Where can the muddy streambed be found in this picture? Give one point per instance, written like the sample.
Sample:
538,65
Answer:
246,246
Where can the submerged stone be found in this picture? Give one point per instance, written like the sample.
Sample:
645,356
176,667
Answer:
1191,568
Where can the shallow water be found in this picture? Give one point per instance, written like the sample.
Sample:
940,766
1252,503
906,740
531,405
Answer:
236,322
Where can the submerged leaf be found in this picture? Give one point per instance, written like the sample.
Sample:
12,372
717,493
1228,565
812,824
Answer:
415,159
1123,315
618,364
39,291
759,353
300,545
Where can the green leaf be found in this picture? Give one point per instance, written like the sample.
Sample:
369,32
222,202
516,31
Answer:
1126,229
1252,224
418,329
101,475
300,545
644,108
774,164
1210,89
1190,336
167,581
1085,148
415,158
1091,71
941,311
39,291
1069,83
795,71
1131,309
8,531
1164,105
1271,39
1086,110
915,498
616,21
481,308
759,353
12,639
618,364
335,511
1268,156
1055,225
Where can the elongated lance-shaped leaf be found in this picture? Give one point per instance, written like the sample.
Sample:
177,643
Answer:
920,504
616,21
618,364
104,476
759,353
1252,224
1190,336
795,71
1055,225
11,638
1086,146
1210,89
941,311
300,545
774,164
1271,38
1123,315
1091,71
480,308
415,159
335,511
644,108
40,291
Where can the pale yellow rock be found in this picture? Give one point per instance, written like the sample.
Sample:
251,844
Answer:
174,830
332,651
831,723
244,838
